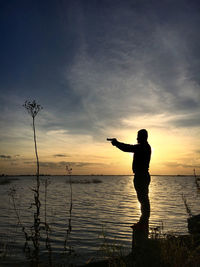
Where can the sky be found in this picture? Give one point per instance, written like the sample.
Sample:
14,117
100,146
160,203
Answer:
99,68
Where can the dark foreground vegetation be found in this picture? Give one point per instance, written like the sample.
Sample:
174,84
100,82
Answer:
168,251
157,251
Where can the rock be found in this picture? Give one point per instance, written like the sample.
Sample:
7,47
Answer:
194,224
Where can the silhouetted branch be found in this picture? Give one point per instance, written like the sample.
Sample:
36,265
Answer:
69,229
33,108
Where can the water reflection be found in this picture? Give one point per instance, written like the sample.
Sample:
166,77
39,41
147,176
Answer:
111,205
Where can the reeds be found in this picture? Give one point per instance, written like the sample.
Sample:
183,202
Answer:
112,251
33,108
26,249
33,233
46,225
188,209
67,247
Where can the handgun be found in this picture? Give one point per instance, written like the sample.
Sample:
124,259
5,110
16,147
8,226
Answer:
110,139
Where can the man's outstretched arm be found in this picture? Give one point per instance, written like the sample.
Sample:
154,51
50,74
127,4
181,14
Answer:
122,146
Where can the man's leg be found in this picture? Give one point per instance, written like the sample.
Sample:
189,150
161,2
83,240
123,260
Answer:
141,184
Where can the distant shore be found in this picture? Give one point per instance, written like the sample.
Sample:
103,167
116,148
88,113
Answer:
22,175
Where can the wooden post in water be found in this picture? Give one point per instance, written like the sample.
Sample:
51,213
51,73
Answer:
140,235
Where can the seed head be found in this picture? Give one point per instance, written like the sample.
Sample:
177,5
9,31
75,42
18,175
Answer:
32,107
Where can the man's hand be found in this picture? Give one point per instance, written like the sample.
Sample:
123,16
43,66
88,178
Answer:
113,141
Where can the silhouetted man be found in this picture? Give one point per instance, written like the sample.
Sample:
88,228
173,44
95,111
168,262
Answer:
140,166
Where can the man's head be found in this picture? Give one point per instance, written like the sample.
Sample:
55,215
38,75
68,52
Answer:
142,136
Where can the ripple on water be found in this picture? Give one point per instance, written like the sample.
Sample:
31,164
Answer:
109,208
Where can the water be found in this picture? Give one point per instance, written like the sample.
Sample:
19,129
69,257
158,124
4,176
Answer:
102,206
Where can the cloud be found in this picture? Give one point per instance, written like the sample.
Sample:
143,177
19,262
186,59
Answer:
29,162
176,164
139,66
5,157
61,155
125,60
189,120
63,164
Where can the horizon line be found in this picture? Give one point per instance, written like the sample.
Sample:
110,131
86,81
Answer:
6,175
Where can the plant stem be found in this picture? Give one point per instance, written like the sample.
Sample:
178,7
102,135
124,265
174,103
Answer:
36,153
37,202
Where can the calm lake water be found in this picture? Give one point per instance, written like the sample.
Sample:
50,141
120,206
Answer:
102,206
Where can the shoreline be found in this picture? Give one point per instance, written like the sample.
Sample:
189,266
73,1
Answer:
155,252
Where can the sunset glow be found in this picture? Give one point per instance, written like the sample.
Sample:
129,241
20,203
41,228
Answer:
99,71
